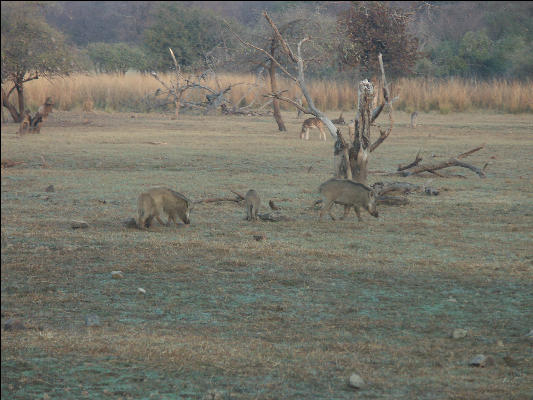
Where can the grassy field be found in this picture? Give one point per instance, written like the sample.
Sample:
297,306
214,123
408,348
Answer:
288,317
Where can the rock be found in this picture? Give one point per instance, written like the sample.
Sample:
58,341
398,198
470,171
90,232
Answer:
259,237
13,324
130,223
530,335
213,395
117,274
452,300
50,189
92,320
510,361
356,381
431,192
481,361
459,333
141,291
79,224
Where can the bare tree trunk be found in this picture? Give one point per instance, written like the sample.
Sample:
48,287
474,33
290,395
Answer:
20,93
274,88
17,117
178,105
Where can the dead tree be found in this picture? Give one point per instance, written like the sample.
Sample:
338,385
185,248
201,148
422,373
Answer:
32,124
346,153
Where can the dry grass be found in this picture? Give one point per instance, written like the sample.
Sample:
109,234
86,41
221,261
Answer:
289,317
129,93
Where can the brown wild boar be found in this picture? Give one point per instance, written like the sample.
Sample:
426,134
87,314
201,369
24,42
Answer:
348,193
154,202
252,203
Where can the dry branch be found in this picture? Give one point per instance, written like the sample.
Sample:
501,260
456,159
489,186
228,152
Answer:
414,163
218,200
414,168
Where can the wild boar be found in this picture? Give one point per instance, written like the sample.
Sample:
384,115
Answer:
252,203
348,193
154,202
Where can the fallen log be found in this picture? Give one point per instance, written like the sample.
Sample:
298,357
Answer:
382,188
218,200
274,217
393,200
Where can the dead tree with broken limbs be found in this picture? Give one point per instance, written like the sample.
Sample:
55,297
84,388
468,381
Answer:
178,88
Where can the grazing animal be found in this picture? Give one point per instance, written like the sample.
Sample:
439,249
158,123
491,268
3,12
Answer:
45,109
252,203
88,105
348,193
154,202
298,100
414,117
339,121
312,123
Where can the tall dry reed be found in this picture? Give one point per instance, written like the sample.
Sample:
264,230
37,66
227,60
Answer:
134,92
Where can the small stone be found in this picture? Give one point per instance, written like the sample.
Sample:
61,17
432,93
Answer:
452,300
79,224
213,395
50,189
356,381
459,333
130,223
510,361
92,320
141,291
481,361
13,324
530,335
499,343
117,274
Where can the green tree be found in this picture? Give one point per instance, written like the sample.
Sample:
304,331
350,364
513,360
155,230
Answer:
116,57
187,31
30,49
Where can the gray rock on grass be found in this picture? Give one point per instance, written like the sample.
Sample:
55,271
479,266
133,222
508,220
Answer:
481,361
13,324
356,382
92,320
79,224
459,333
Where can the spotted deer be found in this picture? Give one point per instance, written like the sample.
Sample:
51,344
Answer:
312,123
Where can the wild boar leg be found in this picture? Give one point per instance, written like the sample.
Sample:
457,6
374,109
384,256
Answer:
346,211
357,211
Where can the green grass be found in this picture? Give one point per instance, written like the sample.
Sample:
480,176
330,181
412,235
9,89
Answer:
289,317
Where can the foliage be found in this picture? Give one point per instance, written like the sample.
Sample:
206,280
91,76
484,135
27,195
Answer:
30,49
370,28
116,57
29,45
87,22
479,40
189,32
